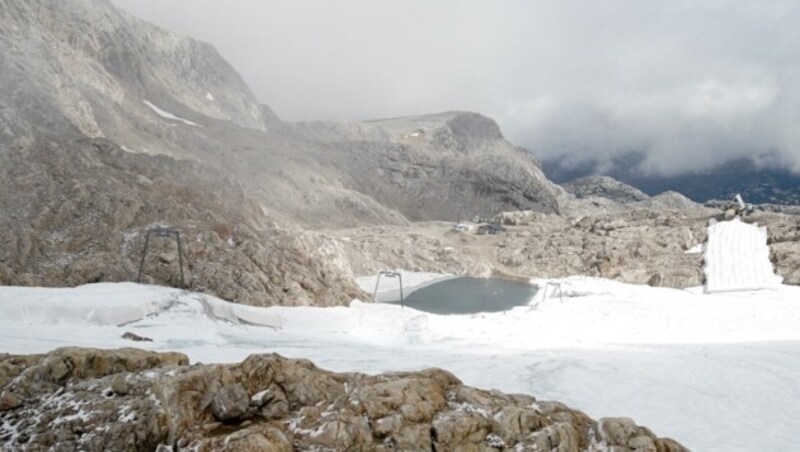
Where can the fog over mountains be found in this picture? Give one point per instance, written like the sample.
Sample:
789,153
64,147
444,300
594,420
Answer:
691,85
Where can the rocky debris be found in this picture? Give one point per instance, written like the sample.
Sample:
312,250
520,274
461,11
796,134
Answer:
135,337
169,404
783,238
641,246
764,207
422,247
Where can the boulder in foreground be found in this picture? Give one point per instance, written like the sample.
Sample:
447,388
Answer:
65,399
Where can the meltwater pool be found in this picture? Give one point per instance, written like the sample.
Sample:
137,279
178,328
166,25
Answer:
467,295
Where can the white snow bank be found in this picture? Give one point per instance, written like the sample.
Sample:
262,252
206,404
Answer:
594,311
117,304
737,258
168,115
687,364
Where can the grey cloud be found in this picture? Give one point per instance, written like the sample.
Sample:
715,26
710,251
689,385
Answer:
691,83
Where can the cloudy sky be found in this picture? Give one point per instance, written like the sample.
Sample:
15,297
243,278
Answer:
691,83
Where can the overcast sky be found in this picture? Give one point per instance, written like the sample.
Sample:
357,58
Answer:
690,82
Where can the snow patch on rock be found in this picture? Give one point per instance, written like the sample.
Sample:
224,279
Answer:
167,115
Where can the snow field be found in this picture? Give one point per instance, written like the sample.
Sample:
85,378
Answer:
716,371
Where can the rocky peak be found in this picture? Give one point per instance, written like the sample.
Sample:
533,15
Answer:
474,126
98,62
604,187
461,131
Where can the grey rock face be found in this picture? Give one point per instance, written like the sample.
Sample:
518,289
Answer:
167,404
230,403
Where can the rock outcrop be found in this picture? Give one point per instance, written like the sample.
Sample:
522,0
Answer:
604,187
66,400
641,247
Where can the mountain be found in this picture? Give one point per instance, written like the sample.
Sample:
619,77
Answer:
110,126
758,185
442,166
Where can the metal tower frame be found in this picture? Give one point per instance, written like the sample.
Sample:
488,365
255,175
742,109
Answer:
389,274
166,233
